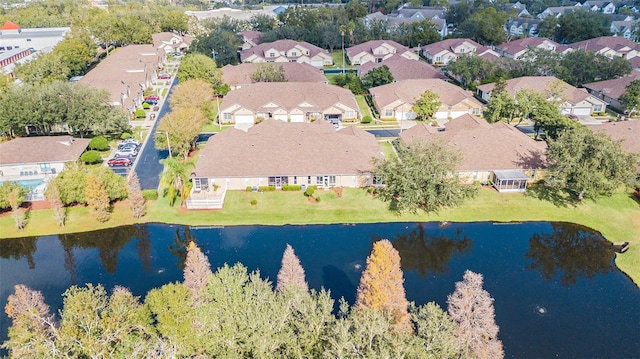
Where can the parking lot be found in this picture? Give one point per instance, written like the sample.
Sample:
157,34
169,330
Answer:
124,157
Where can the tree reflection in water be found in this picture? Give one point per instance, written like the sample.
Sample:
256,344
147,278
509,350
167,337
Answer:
571,252
18,248
107,242
180,243
427,253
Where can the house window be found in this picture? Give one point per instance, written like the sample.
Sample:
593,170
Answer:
294,54
326,181
295,179
350,114
462,51
377,180
380,52
28,40
597,108
309,180
201,184
45,167
475,111
227,116
278,181
272,54
437,58
388,113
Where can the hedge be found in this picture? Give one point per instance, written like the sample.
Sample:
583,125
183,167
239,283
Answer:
140,113
293,187
266,188
99,143
367,119
309,191
91,157
150,194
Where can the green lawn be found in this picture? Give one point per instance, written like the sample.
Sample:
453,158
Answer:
337,60
387,149
364,107
617,217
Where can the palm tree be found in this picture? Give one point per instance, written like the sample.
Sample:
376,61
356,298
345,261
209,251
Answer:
175,179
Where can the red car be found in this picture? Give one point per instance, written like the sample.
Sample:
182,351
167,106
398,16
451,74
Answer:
164,76
119,161
152,98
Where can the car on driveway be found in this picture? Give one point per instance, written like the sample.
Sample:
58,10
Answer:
151,102
130,140
127,152
127,145
573,117
164,76
152,98
119,161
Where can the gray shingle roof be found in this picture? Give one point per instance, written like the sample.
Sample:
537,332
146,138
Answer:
403,69
277,148
409,90
42,149
293,72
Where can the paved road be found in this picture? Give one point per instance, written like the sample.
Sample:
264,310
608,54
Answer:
148,166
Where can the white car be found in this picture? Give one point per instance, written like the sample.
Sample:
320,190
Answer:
127,152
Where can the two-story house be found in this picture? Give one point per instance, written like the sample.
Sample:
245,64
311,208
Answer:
378,51
287,51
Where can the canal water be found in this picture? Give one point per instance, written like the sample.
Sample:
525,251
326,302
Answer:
556,288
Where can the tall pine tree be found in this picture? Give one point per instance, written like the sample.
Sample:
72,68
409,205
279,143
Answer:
196,270
291,273
136,198
382,286
97,198
471,307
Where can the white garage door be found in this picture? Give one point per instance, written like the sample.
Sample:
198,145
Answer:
244,119
441,115
317,63
582,111
281,117
456,114
297,118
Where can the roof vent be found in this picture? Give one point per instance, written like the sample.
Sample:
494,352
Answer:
630,128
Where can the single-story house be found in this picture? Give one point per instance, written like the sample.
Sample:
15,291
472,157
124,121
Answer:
239,76
576,101
445,51
516,49
126,73
396,100
171,42
610,91
610,46
276,153
287,51
31,161
250,38
404,69
288,102
378,51
496,153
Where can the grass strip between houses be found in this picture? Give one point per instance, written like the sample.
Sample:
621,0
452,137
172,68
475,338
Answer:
616,217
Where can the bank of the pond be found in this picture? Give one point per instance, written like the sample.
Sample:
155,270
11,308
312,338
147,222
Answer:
616,217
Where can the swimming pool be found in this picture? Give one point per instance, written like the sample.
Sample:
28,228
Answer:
28,184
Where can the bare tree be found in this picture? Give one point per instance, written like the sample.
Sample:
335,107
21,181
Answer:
33,329
291,273
382,286
196,270
471,307
136,198
59,212
15,201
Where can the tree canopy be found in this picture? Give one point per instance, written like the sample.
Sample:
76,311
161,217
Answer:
199,66
630,99
421,177
427,105
590,165
377,77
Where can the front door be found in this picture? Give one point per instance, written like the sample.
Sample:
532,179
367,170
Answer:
325,181
278,182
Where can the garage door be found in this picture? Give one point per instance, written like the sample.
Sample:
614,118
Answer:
582,111
317,63
456,114
297,118
244,119
441,115
281,117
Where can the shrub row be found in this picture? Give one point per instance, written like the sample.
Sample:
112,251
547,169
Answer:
292,187
150,194
266,188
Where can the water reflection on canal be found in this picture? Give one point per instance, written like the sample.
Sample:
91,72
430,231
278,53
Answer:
557,291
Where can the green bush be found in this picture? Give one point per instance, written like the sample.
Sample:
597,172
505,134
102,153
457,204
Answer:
367,119
146,106
150,194
266,188
91,157
309,191
292,187
140,113
249,188
317,199
125,136
254,202
99,143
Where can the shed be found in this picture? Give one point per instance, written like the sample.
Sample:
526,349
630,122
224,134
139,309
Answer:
510,180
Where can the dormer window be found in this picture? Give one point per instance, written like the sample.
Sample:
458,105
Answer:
272,54
294,54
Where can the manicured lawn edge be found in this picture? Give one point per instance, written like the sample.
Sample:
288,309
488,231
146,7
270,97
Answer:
616,217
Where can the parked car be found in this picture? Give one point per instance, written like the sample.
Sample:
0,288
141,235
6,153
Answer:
152,97
127,152
128,145
164,76
151,102
119,161
573,117
130,140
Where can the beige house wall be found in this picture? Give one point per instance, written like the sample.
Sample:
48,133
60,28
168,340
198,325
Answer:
241,183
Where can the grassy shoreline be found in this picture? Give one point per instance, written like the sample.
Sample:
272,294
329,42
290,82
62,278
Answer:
616,217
